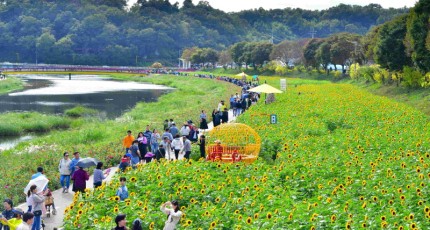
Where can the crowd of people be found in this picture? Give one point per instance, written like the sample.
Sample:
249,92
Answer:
148,145
173,142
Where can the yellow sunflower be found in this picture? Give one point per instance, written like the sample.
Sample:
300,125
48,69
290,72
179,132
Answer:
249,220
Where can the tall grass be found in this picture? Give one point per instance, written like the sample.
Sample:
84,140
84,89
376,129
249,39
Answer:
80,111
15,124
10,84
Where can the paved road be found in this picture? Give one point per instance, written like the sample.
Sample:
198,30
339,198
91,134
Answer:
62,200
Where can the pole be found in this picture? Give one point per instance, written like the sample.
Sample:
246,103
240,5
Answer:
70,76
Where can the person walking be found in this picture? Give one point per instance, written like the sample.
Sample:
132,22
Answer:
186,148
99,176
203,121
135,153
38,200
127,141
202,145
41,172
173,214
167,134
167,147
194,134
148,135
64,169
80,178
185,130
72,165
155,138
142,144
73,168
173,129
177,145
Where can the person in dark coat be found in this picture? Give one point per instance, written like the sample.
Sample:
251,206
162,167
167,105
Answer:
225,116
202,144
203,120
160,152
216,118
80,178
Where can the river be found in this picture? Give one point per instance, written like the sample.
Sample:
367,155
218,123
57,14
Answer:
53,94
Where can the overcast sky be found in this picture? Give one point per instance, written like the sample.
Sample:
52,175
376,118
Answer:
238,5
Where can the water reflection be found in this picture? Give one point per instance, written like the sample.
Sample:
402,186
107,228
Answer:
54,94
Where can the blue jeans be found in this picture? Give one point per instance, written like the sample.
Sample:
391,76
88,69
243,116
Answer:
65,181
154,147
36,223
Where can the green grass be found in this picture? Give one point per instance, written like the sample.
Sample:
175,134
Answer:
10,84
103,139
15,124
417,98
80,111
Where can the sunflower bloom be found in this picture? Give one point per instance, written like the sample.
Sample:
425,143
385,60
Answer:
248,220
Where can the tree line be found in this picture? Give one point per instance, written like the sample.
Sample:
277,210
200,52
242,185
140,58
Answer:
107,32
397,51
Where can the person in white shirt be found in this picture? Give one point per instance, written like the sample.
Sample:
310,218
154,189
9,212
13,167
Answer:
185,130
27,221
64,169
177,145
173,214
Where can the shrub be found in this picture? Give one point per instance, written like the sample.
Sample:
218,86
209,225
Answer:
80,111
412,78
9,130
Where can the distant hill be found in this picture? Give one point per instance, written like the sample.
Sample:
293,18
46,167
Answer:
104,32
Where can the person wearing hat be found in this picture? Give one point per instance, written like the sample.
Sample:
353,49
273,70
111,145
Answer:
173,214
14,222
120,222
27,221
7,214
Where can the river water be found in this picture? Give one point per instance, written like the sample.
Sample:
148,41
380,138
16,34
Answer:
54,94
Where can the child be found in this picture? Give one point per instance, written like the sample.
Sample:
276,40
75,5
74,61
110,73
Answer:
122,191
125,162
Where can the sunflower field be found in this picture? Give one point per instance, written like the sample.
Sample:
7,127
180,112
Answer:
349,160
